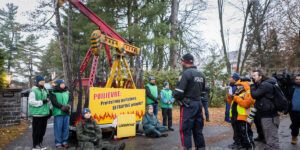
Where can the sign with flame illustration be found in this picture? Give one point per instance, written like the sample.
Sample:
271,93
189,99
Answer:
107,103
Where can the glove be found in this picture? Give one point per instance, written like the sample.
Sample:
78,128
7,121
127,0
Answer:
239,90
156,101
45,101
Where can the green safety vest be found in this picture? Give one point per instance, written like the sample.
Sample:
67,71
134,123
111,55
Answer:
40,95
62,98
166,94
153,91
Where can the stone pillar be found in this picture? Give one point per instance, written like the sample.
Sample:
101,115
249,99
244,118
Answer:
10,107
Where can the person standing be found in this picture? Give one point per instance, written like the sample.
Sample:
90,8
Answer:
188,94
232,115
204,99
60,98
152,94
263,92
295,110
39,109
167,101
240,102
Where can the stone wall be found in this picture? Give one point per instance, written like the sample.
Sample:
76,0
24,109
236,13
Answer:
10,107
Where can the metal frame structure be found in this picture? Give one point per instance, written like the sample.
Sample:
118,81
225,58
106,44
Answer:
109,38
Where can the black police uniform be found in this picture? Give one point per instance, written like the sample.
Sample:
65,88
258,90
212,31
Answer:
188,94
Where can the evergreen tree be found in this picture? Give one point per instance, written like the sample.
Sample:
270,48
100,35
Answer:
9,34
2,70
29,58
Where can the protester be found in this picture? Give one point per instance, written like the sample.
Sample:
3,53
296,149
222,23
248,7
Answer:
152,94
89,134
39,108
151,125
188,94
232,88
167,101
262,91
204,100
61,101
295,110
240,102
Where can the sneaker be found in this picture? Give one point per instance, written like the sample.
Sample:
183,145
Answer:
36,148
42,147
122,146
294,140
171,129
59,147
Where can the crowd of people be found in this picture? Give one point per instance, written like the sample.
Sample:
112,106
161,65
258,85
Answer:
247,101
255,100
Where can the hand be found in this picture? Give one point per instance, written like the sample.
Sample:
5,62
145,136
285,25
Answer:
94,140
156,101
65,108
45,101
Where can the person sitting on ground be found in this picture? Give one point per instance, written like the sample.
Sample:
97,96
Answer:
89,134
151,125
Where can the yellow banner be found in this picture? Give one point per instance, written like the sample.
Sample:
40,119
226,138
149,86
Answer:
107,103
126,125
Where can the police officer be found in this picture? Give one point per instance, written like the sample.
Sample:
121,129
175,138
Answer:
188,95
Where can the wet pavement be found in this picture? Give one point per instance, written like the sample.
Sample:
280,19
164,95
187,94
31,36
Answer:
216,137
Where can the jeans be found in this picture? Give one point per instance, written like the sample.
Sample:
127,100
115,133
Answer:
61,129
205,106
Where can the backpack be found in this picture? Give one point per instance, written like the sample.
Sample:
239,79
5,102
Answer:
279,99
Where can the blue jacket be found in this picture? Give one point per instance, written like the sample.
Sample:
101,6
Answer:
296,98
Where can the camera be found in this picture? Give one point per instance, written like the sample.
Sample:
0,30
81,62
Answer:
250,118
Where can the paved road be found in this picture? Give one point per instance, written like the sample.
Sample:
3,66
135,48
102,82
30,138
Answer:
217,138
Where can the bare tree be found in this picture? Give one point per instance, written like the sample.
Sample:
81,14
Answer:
221,10
173,34
249,4
64,51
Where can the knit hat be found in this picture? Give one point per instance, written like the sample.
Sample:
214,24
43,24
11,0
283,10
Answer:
166,83
85,110
39,78
151,78
188,58
235,76
59,81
